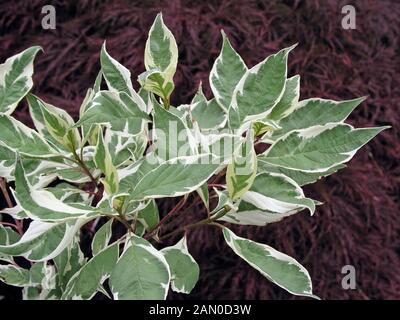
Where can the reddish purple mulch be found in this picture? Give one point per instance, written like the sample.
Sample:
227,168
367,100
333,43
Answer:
359,223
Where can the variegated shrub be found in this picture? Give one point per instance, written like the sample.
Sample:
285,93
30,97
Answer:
101,174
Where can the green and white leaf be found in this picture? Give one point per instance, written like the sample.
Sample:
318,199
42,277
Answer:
14,276
172,138
102,237
318,148
16,79
58,123
204,194
43,241
19,138
271,198
301,178
241,173
276,266
147,218
226,73
160,60
44,205
68,263
172,178
313,112
288,101
207,113
118,78
259,90
103,161
141,272
85,283
116,110
184,269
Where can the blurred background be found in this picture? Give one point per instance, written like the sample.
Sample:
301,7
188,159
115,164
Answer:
359,223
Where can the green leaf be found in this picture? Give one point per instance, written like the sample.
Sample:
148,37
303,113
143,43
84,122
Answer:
14,276
125,148
118,77
271,198
172,178
241,173
184,269
7,161
160,60
276,266
259,90
148,217
42,204
226,72
43,241
16,79
103,161
58,124
68,262
319,148
102,237
314,112
117,110
208,114
288,101
141,273
204,194
171,136
19,138
85,283
301,178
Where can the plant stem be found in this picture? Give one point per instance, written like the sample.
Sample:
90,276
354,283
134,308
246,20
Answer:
3,186
206,221
84,167
163,220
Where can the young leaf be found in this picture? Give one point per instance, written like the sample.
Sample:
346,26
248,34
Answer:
141,273
241,173
312,112
261,205
184,269
276,266
288,101
319,148
58,124
259,90
118,77
103,161
102,237
160,60
16,79
226,72
84,284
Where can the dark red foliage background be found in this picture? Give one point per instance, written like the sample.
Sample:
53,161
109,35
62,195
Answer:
359,222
